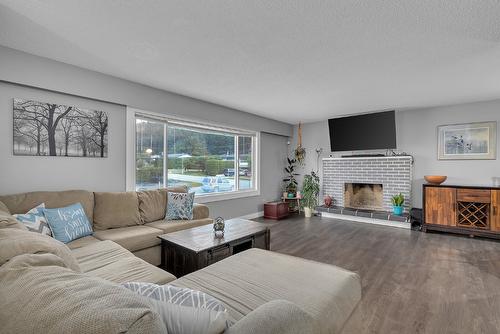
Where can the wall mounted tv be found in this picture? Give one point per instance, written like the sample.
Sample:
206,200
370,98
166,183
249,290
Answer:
363,132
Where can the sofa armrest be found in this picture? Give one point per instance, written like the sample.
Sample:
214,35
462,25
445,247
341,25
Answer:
200,211
274,317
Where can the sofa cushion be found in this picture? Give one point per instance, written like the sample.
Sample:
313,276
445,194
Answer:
14,242
100,254
168,226
37,295
133,269
116,209
152,204
82,242
112,262
21,203
252,278
133,237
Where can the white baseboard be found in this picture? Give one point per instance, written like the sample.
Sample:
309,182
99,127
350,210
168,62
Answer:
252,215
367,220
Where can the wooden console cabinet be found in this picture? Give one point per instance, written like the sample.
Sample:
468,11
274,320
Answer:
462,209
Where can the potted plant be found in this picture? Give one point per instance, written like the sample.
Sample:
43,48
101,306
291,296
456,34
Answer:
397,204
299,152
310,192
290,181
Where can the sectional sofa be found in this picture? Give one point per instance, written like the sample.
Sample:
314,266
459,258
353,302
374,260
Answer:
134,220
50,287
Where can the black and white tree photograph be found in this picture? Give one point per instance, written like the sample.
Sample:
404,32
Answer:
49,129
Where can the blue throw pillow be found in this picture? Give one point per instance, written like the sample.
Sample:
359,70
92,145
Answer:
68,223
179,206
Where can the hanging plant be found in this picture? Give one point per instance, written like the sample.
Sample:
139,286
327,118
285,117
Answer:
300,152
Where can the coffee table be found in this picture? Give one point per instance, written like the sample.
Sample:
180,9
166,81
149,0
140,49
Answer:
189,250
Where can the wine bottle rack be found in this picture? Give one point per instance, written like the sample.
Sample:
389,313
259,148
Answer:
473,215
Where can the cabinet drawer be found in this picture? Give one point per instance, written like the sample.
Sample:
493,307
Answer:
474,195
218,254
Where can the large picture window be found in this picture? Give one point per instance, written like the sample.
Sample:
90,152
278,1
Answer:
210,161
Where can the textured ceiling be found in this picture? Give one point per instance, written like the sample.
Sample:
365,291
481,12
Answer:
289,60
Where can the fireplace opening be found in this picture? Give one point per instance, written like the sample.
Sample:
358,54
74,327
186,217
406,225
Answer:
364,196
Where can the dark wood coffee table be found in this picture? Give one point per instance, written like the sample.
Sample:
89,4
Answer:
189,250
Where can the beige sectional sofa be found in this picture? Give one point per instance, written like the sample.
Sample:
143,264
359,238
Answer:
49,287
134,220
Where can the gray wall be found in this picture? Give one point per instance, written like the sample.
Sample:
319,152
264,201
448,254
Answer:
23,68
417,135
26,76
24,173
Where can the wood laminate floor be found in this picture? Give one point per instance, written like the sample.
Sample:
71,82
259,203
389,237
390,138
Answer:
413,282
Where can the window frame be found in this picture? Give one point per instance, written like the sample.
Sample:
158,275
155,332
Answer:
132,114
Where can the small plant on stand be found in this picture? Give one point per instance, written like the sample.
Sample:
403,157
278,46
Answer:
397,204
290,181
310,192
299,152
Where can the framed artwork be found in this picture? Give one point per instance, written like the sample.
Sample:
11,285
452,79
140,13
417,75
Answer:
471,141
49,129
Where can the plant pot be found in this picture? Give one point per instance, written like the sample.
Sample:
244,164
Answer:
398,210
308,212
291,195
328,201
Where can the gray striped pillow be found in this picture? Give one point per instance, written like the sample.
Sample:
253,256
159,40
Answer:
184,310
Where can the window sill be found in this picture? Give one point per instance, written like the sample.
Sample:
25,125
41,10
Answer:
226,196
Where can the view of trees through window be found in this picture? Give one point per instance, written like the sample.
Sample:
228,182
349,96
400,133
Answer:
202,159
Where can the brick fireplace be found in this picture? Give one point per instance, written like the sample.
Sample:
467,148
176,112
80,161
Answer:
367,182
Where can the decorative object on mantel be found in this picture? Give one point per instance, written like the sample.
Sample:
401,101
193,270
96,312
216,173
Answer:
299,152
435,179
219,227
328,200
397,204
42,129
290,181
310,191
471,141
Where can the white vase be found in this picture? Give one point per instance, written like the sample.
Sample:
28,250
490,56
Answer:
308,212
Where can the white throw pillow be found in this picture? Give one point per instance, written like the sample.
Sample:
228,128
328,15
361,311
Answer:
184,311
35,220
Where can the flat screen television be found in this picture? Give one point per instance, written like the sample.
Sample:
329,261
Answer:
363,132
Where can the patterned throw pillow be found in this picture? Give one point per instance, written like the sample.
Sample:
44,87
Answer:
35,220
179,206
184,310
68,223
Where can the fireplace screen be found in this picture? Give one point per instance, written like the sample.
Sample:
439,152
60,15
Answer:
364,196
